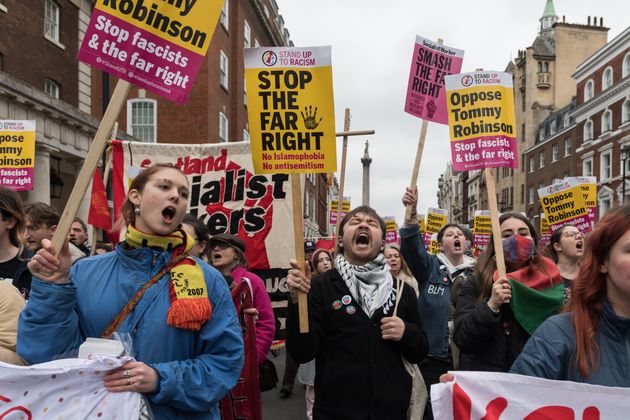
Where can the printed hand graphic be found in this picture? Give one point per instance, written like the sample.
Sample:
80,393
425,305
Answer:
431,108
310,119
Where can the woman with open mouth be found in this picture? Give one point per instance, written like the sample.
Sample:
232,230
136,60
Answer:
566,248
187,340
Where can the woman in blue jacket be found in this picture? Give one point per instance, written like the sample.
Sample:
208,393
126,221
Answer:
591,343
186,337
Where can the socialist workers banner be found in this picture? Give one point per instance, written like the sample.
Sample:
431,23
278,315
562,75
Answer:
64,389
431,62
498,396
481,120
17,154
564,204
290,107
224,194
155,44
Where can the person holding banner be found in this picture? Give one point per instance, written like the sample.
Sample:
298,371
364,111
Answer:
590,343
398,267
227,254
357,344
437,276
566,248
495,316
178,311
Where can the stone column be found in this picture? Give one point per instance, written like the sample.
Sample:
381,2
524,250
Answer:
366,161
41,185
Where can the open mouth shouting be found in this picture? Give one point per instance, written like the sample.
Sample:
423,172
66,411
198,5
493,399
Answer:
457,245
362,239
168,214
579,245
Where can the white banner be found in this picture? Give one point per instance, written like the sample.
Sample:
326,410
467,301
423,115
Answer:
495,396
64,389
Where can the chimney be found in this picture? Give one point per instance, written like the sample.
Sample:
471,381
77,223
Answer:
588,21
594,20
563,19
601,21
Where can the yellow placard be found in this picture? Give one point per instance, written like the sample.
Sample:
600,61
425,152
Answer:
435,222
544,225
291,111
17,154
564,205
187,23
422,224
482,225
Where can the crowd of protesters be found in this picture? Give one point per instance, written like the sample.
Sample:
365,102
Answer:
562,312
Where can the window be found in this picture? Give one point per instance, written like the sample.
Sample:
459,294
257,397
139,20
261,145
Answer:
625,112
588,130
541,159
605,165
567,147
554,153
247,34
142,119
531,195
244,91
523,132
223,70
607,121
223,127
625,68
51,20
587,167
256,43
266,11
588,90
541,134
531,164
552,128
566,120
607,78
245,135
51,88
225,14
522,193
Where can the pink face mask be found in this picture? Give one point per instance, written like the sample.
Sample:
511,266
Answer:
517,250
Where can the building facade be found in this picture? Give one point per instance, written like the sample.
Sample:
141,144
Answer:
602,119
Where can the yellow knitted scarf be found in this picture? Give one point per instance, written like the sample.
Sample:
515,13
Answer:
190,305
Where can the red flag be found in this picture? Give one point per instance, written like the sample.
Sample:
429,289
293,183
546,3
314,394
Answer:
99,209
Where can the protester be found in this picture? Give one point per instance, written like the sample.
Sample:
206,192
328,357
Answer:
590,343
321,262
437,276
79,235
495,316
566,248
290,365
103,248
199,232
11,304
227,254
186,336
398,267
13,254
357,345
41,223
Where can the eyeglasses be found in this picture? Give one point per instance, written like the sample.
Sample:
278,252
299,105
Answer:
572,235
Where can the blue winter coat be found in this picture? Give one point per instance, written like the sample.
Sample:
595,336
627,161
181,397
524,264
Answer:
550,352
196,369
435,285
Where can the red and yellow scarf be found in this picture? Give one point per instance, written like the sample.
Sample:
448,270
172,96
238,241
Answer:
190,305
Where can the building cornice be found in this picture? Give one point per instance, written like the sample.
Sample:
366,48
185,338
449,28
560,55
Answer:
603,55
601,101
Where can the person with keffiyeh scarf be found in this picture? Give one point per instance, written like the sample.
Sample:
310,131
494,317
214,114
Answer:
187,340
357,344
495,316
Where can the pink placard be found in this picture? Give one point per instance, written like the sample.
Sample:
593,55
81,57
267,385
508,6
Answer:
139,57
430,63
17,179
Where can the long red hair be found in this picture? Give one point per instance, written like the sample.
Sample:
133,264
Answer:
589,289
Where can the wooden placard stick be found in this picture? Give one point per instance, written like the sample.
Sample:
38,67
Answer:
91,160
342,175
419,152
298,236
494,218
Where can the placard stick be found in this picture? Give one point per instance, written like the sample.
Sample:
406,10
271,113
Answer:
494,218
298,235
419,152
91,160
342,175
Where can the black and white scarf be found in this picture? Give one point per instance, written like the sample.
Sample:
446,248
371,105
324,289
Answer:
371,284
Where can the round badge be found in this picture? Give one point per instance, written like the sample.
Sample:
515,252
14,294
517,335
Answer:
445,279
350,310
346,300
336,305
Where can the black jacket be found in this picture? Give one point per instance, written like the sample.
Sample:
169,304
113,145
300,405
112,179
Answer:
22,277
358,374
487,342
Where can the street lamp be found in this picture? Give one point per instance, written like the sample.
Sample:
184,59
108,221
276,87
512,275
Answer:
625,155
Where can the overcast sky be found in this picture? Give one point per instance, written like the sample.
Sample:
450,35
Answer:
372,44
